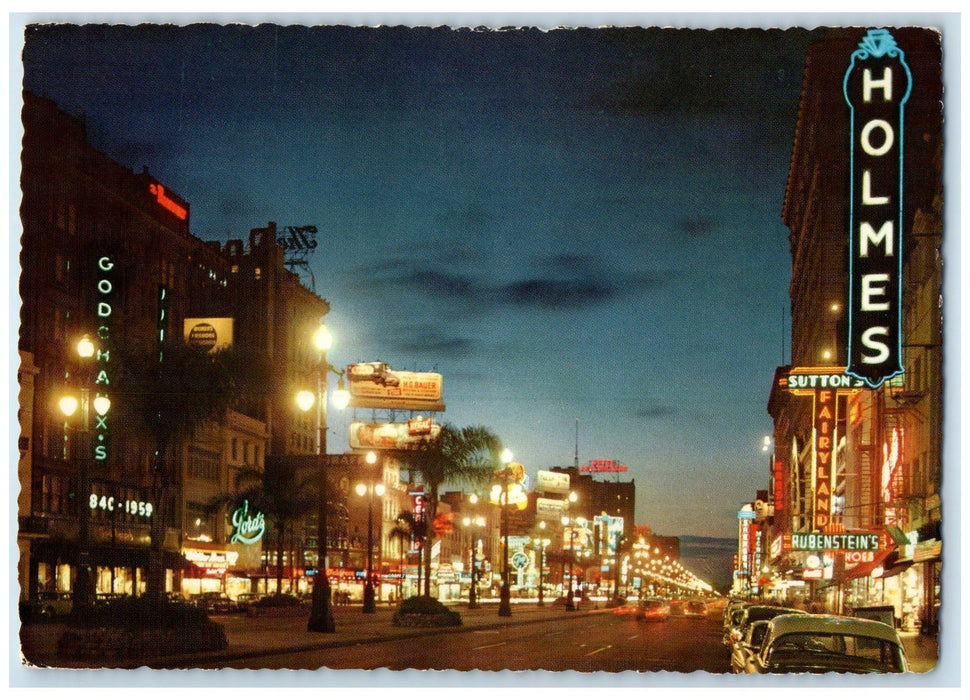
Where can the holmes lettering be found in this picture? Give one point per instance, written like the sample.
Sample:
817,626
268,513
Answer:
876,87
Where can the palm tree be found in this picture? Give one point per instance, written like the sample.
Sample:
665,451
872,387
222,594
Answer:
280,492
466,456
404,529
168,390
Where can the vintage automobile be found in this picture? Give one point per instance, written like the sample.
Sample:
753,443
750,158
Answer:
745,616
828,644
695,608
653,609
50,604
214,602
245,600
743,648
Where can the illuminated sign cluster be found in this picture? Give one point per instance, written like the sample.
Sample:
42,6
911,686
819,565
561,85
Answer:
876,87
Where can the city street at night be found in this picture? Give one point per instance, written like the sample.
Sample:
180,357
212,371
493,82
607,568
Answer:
539,347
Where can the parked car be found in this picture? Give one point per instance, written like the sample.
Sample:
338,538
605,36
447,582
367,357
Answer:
747,646
174,597
107,598
244,600
214,602
50,604
731,612
745,616
677,607
695,608
828,643
653,609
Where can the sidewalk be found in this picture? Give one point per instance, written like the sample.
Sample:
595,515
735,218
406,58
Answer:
267,635
922,651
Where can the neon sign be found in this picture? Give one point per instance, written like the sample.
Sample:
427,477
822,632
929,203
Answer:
249,528
105,289
603,465
824,455
844,541
167,202
876,86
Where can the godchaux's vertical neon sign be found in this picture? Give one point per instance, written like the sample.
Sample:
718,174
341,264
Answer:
876,86
102,381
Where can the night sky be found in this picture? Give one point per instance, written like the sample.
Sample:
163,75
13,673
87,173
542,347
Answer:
570,226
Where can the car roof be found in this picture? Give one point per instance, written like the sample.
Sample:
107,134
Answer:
831,624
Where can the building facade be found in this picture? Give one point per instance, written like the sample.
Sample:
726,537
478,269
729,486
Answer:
849,458
106,258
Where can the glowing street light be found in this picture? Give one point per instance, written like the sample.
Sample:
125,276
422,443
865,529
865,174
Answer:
505,596
363,489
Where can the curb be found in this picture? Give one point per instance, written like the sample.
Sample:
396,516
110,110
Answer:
182,661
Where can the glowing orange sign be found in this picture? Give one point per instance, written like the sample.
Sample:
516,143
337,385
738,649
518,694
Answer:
167,202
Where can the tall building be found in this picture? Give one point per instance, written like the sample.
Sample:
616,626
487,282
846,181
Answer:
850,456
107,257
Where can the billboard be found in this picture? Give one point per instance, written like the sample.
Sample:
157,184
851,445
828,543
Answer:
552,482
390,436
376,385
210,334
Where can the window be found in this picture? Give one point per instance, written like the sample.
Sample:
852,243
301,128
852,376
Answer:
202,464
199,524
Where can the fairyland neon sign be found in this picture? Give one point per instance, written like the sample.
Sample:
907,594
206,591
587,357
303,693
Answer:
249,528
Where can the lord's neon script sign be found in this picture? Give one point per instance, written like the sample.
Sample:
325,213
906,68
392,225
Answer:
877,85
250,527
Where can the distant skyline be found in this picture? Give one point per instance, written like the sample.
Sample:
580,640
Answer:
579,225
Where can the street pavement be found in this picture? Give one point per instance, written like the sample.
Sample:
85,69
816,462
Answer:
251,637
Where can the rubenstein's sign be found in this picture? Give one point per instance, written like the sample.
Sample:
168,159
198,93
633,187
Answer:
876,86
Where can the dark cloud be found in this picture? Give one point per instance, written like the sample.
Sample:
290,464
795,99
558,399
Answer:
568,281
654,410
430,341
697,227
701,71
549,293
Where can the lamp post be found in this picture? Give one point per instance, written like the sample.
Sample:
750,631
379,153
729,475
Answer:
570,604
468,522
321,614
81,592
543,543
505,597
362,489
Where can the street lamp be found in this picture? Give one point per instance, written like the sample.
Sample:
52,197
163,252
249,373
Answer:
570,604
81,592
543,542
468,522
362,489
321,614
505,597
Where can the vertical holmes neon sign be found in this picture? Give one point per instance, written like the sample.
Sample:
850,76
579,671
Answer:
876,87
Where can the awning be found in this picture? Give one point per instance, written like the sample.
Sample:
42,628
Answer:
866,568
107,556
895,565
